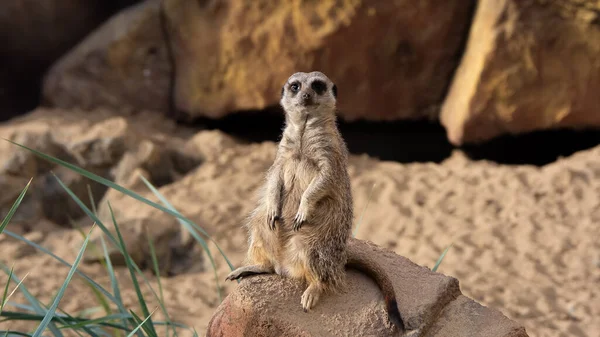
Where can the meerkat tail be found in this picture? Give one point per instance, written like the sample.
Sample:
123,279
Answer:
359,261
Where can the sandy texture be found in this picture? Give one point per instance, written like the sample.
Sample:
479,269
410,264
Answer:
526,239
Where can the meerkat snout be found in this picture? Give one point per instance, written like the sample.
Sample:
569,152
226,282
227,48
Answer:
306,98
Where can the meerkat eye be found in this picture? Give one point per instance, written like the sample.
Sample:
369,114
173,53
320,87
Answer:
318,86
295,87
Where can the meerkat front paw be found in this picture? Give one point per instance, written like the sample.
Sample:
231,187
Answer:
301,216
272,215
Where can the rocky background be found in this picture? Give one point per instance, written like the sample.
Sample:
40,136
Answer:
472,122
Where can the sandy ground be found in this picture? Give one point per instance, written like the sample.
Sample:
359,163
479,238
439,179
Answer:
525,239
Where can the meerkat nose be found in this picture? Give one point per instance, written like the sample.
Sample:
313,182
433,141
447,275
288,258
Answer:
305,95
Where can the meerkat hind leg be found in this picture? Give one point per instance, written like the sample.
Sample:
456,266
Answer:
311,296
245,271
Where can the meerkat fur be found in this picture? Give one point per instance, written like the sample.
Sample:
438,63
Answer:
301,226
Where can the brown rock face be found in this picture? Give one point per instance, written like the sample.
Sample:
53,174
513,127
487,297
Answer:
529,65
123,64
430,303
390,59
34,34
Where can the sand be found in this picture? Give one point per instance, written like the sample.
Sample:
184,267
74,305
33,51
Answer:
525,240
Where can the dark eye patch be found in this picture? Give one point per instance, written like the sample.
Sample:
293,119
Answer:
318,86
334,90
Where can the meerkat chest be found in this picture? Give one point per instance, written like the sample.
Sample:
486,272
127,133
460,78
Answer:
299,170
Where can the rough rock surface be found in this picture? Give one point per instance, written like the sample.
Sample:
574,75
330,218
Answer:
111,147
123,64
33,35
270,306
174,245
398,65
528,65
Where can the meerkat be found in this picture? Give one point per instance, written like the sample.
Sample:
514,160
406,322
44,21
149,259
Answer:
301,226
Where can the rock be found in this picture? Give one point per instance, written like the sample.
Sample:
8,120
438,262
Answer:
208,194
398,65
161,165
172,254
103,145
33,35
95,141
465,317
57,205
210,144
174,245
528,65
221,46
29,210
24,163
122,64
430,303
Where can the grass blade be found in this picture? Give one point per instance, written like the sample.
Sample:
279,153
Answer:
91,196
129,264
119,188
100,321
142,323
14,207
5,294
439,261
8,333
99,296
52,309
113,280
110,236
46,251
192,232
6,297
33,301
160,289
69,320
68,317
186,222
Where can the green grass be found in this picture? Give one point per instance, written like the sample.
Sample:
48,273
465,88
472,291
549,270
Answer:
116,318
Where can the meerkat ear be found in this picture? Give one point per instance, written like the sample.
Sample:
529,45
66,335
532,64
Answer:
334,90
282,91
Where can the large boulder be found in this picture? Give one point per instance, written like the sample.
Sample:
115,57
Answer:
236,55
528,65
123,65
430,303
34,34
390,59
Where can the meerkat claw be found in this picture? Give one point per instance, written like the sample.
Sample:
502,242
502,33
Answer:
298,222
272,218
272,221
309,299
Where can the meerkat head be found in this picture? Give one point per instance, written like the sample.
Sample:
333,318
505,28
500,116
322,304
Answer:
309,94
